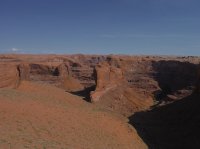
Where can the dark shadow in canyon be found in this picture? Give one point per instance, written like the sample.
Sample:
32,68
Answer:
177,124
173,76
85,93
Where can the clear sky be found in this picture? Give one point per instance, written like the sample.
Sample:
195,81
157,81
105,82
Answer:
160,27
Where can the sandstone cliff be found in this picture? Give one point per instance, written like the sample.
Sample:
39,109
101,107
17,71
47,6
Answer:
113,92
107,78
9,76
68,82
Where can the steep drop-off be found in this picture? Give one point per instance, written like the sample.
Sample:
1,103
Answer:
113,92
158,94
175,125
129,84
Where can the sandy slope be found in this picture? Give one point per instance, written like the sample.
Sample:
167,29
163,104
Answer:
43,116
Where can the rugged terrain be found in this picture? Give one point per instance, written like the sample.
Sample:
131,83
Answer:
85,101
41,116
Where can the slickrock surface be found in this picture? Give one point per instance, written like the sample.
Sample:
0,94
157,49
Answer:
42,116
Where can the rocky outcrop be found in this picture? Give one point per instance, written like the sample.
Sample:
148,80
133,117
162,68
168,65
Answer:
174,125
148,74
156,93
68,82
123,82
9,76
113,92
159,76
24,71
107,78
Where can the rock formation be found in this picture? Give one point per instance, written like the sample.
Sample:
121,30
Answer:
9,76
174,125
160,95
67,81
24,71
107,78
112,91
119,81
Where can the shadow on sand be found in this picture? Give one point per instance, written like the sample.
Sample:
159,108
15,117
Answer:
173,75
85,93
175,125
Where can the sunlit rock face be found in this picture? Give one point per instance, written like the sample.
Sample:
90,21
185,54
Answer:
9,76
68,82
121,83
107,78
24,71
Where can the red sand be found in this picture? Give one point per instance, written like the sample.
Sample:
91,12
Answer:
42,116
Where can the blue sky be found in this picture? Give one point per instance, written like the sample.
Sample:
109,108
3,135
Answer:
170,27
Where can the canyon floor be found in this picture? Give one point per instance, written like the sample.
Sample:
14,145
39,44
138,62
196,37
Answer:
99,102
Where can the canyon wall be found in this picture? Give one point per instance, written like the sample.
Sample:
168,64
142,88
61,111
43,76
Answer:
174,125
159,95
130,84
122,83
9,76
70,72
